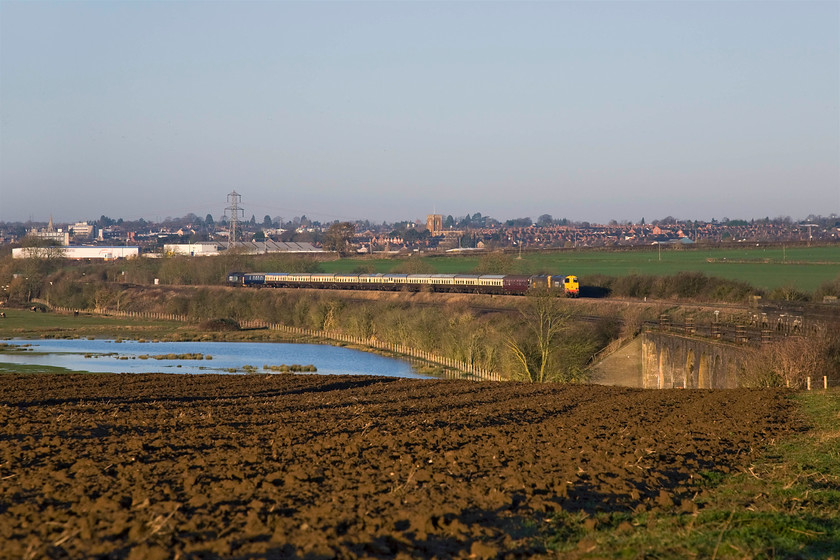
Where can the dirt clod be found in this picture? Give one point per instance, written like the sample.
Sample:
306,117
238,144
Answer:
308,466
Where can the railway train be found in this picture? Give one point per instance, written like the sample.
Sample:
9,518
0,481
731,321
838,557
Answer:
454,283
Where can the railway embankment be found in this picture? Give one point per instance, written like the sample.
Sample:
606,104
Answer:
463,332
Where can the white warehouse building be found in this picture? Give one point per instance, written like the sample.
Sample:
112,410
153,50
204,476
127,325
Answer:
200,249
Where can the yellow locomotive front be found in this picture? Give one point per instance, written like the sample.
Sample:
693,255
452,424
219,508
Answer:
557,282
571,286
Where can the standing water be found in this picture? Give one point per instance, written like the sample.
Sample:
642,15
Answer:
202,357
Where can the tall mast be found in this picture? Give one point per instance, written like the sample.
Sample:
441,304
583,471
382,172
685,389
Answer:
233,200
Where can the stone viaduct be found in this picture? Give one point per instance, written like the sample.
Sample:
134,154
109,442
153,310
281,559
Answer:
709,357
672,360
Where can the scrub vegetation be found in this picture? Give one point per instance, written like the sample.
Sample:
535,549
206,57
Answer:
789,362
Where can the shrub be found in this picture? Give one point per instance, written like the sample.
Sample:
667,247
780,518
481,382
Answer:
831,288
789,293
219,325
789,362
683,285
639,286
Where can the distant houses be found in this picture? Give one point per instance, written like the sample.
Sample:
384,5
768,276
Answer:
196,237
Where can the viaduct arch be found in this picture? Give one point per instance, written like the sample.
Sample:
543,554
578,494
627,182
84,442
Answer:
681,361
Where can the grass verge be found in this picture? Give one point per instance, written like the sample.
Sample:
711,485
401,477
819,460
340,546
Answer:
23,324
20,323
33,368
785,505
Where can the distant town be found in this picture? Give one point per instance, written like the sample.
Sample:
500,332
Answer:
194,235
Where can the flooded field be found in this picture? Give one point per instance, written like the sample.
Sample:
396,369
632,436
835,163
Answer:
109,356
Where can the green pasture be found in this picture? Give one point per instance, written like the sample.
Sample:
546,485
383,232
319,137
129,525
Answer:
767,268
22,323
349,265
806,268
31,368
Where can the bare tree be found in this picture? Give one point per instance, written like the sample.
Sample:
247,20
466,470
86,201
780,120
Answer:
789,362
534,343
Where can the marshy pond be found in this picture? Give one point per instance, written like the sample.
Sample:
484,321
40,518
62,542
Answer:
124,356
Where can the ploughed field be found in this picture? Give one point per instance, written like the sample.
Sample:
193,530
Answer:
308,466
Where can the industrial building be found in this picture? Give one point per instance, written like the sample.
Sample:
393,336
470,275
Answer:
205,249
269,246
200,249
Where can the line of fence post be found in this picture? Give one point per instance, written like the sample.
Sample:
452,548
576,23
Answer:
824,383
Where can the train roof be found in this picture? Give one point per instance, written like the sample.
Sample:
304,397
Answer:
397,275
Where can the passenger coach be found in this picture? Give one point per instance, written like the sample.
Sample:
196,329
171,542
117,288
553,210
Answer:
455,283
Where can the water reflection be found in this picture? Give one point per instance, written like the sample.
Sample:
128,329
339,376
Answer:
216,357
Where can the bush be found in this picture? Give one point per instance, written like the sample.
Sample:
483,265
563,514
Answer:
633,286
219,325
789,362
683,285
789,293
831,288
689,285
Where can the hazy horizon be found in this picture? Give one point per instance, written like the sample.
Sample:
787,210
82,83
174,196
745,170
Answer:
221,217
389,111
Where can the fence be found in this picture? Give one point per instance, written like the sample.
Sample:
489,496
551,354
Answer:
753,330
470,370
820,383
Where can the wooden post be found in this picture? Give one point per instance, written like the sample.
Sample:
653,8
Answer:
825,382
809,382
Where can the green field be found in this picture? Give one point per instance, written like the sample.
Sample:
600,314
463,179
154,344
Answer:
768,268
21,323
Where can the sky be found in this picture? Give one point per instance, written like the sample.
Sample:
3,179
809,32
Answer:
389,111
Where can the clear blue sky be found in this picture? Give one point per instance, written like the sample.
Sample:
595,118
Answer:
392,110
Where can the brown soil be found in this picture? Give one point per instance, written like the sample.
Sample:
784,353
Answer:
308,466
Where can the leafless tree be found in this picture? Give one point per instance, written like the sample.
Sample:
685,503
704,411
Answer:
534,343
